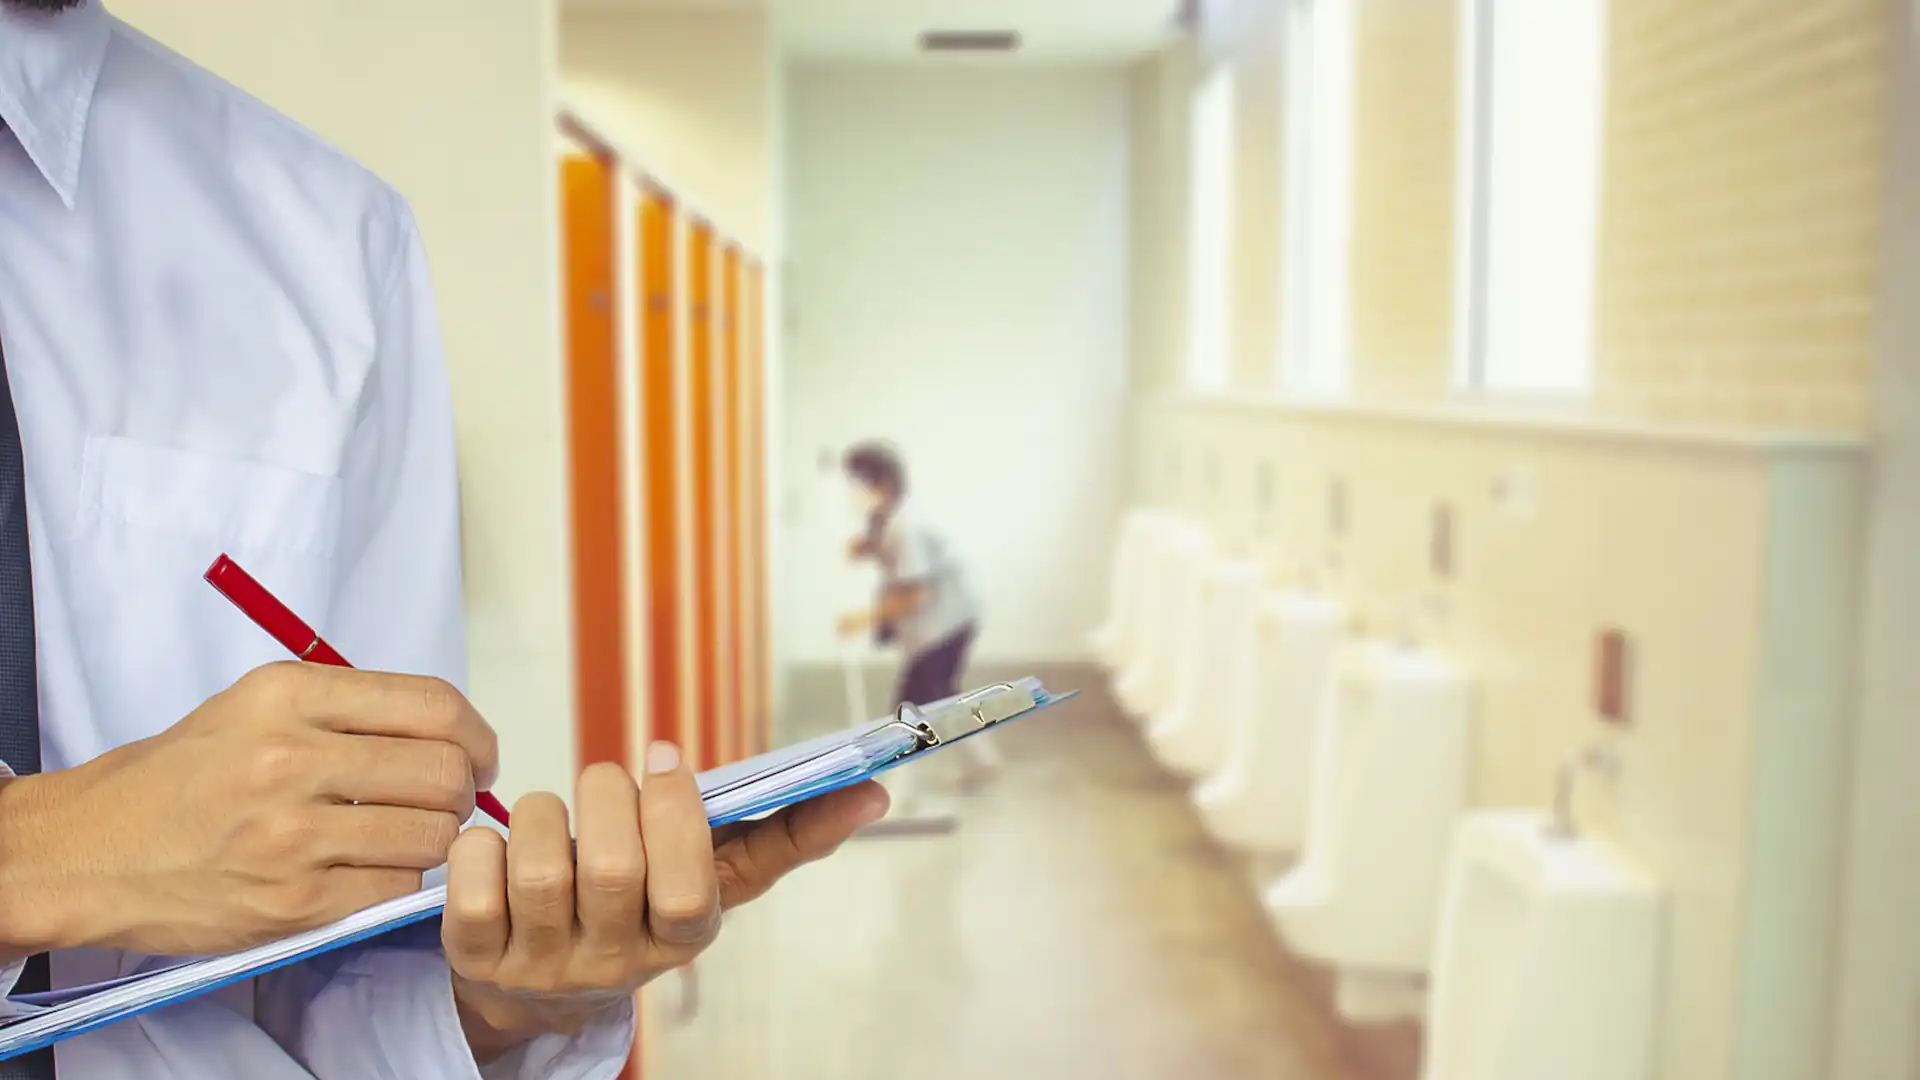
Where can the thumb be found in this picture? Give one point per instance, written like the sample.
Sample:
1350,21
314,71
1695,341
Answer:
751,861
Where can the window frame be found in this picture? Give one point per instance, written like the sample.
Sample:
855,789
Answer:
1318,113
1210,198
1481,365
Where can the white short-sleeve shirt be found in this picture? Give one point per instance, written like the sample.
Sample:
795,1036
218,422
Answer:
915,551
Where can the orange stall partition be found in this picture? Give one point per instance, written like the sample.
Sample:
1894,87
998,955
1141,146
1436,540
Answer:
734,739
759,710
588,186
704,563
660,464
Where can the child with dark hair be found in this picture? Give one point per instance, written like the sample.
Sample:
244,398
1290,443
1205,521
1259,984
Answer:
926,604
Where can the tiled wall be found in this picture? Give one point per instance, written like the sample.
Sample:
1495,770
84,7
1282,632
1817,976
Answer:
1744,158
1725,562
1877,1030
1404,135
1740,224
1157,223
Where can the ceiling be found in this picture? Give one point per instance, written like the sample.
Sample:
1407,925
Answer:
1059,31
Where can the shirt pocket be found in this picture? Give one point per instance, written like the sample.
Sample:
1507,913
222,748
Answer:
155,638
188,496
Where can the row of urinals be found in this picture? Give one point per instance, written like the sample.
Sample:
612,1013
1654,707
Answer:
1529,952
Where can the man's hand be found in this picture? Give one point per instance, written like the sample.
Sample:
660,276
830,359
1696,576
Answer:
541,937
295,797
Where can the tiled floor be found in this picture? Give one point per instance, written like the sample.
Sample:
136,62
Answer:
1076,926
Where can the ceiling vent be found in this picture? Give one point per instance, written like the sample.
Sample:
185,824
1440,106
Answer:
969,41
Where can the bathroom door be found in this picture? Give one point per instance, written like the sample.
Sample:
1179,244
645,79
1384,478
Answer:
734,742
754,449
589,185
704,562
660,441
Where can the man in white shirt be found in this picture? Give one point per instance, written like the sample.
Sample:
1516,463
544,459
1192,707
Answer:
218,336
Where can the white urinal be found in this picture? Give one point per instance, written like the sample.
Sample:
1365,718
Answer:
1548,959
1389,784
1134,674
1143,604
1258,798
1190,734
1113,642
1171,586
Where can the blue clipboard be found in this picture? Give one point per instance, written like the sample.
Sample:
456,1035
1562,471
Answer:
744,791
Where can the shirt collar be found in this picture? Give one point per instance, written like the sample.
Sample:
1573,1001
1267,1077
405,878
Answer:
49,65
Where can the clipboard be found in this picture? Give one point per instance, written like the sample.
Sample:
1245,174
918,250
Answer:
748,790
768,783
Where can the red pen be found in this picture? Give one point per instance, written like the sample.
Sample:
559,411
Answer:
253,600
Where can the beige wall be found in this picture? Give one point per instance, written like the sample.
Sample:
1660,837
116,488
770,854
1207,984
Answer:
691,97
911,326
1157,326
450,101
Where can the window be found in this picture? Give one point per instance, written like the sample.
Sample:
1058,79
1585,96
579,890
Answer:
1210,219
1319,182
1527,221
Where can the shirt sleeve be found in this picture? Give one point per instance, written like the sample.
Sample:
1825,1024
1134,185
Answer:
388,1014
914,557
387,1010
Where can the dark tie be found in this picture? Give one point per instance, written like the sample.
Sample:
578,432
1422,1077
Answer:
19,695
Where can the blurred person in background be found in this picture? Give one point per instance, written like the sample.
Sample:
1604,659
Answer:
217,333
926,606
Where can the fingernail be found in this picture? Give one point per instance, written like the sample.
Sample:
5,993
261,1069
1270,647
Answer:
662,757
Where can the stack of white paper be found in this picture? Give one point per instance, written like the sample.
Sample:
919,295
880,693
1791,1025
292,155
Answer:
765,783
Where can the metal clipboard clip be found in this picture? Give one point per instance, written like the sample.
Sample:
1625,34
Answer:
969,713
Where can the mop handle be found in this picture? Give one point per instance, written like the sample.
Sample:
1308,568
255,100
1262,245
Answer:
856,686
